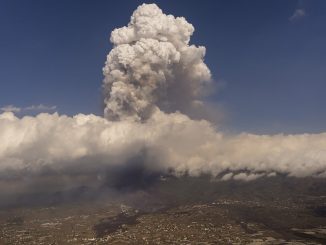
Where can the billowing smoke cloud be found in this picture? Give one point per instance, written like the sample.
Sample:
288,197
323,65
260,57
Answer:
152,77
152,65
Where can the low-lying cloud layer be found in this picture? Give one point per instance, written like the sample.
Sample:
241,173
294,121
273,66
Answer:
166,141
152,78
33,108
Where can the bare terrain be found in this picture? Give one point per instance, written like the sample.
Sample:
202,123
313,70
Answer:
275,210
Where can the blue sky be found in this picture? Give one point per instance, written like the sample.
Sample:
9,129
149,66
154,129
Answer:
268,56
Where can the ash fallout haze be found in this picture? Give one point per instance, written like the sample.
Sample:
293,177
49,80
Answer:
162,115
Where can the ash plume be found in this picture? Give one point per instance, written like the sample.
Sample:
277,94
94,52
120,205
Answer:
153,66
152,78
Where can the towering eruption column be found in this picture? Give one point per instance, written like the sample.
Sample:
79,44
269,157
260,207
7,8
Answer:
152,67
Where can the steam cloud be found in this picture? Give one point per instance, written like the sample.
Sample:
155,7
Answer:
152,78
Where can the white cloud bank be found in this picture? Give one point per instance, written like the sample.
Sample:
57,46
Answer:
151,73
172,141
10,108
33,108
